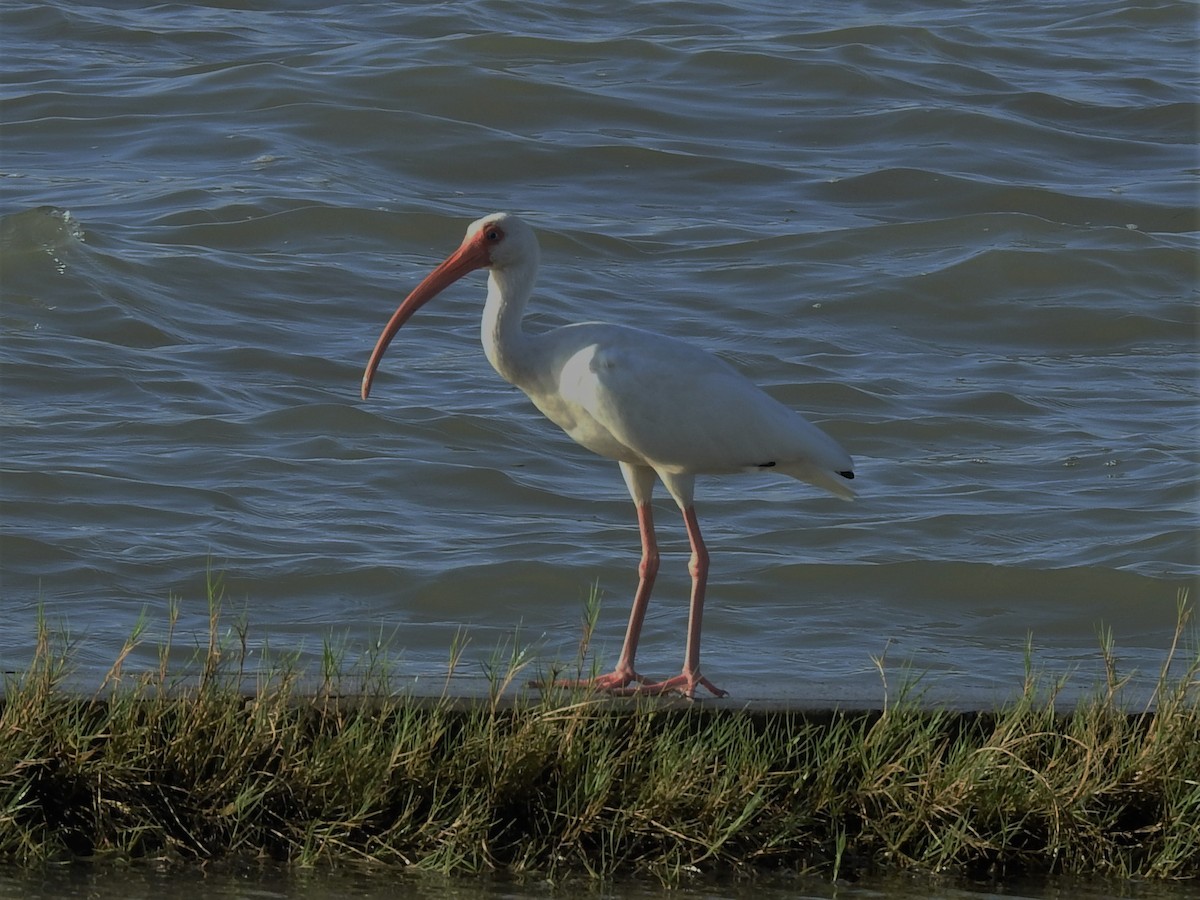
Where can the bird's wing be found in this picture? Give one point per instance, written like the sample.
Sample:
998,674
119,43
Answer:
681,409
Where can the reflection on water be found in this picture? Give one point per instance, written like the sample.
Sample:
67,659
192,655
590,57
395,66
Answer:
259,882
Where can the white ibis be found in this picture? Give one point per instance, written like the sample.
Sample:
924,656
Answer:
656,405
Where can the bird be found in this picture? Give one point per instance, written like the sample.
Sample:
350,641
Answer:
662,408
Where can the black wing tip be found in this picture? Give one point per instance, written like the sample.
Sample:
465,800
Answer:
847,474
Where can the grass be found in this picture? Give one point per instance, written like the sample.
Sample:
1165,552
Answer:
197,768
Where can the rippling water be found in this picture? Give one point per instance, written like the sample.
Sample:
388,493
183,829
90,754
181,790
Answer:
961,238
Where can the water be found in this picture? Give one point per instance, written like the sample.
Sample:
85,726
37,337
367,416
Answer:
962,238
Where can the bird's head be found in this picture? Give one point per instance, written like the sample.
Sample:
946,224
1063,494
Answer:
499,242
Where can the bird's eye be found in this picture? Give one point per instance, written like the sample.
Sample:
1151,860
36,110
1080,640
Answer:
493,234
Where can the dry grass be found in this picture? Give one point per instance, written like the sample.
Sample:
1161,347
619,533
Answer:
161,767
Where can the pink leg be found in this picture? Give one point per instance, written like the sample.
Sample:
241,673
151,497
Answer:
687,681
624,674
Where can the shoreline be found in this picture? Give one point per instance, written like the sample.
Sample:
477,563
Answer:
356,767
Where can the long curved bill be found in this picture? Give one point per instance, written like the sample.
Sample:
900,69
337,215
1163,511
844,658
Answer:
471,255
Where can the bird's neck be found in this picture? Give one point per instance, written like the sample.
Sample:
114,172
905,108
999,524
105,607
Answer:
504,339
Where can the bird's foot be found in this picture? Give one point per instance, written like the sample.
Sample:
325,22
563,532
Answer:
616,682
628,683
684,683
